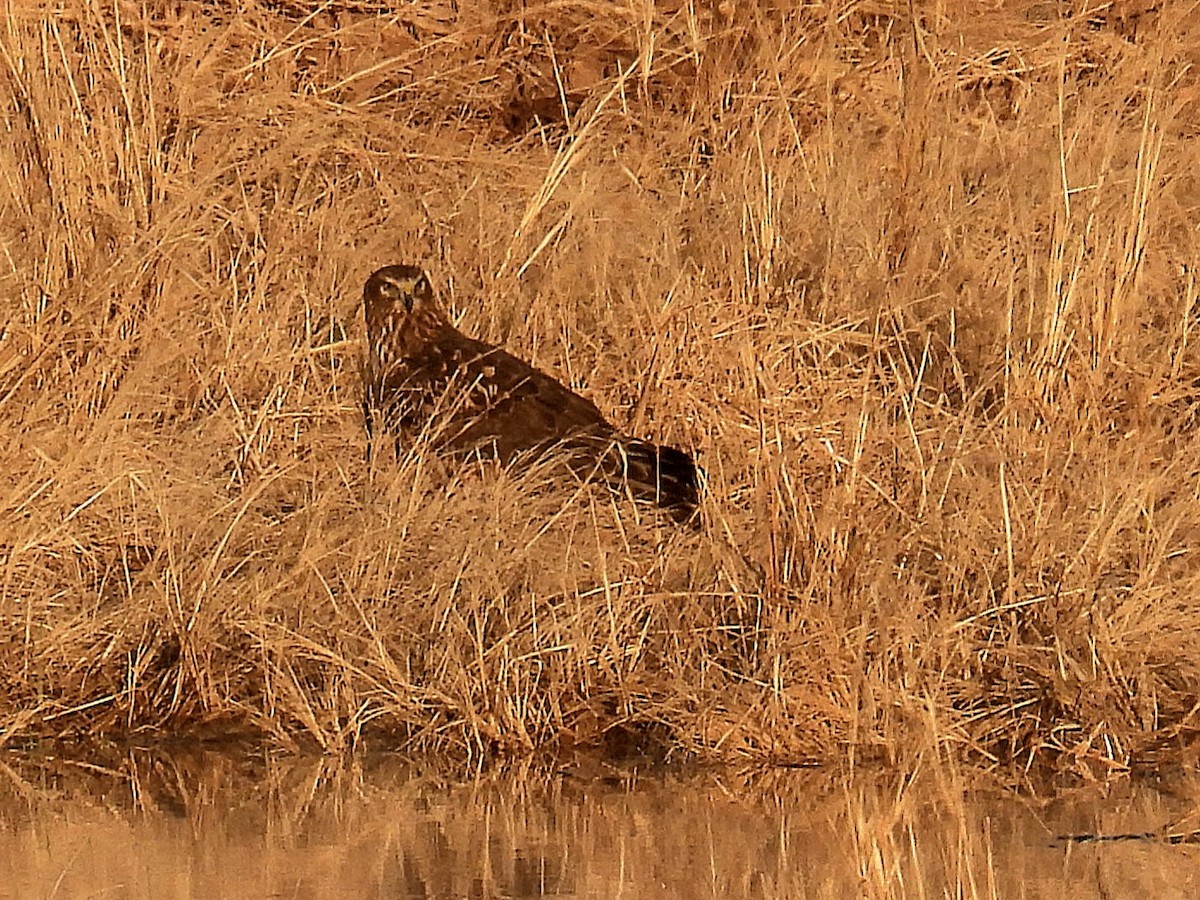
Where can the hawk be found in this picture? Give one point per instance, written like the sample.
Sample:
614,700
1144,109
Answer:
423,374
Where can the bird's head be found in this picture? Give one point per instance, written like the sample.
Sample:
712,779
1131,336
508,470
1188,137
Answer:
402,314
400,291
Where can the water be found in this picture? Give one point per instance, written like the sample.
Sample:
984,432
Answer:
218,824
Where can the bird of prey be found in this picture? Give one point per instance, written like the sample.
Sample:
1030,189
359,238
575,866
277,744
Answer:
422,374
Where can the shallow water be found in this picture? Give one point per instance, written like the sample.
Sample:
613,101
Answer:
215,824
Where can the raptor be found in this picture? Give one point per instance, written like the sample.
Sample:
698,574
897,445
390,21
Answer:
422,375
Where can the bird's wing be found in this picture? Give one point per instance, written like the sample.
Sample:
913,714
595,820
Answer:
488,396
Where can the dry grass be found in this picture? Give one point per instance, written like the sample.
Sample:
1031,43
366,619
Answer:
923,296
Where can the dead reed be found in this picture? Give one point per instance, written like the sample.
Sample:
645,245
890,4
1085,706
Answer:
921,293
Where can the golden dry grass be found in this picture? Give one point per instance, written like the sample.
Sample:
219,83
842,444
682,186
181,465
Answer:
922,294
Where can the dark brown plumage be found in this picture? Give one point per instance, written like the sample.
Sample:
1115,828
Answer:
421,371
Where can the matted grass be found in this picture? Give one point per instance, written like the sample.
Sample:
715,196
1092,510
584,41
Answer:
921,295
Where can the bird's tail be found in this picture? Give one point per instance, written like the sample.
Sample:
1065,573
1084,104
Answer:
664,475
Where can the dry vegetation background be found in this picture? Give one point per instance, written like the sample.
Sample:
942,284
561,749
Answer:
918,282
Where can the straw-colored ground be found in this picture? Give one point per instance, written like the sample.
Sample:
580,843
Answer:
922,295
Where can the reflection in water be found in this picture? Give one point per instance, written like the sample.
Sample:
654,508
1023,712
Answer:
216,824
